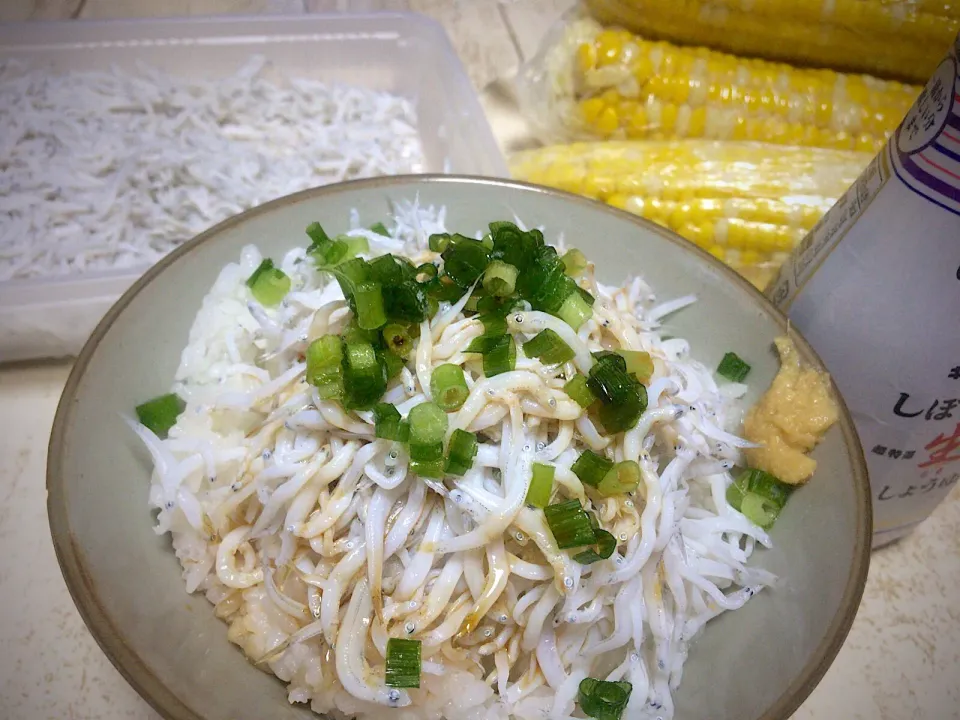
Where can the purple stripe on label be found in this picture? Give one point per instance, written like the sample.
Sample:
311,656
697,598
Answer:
931,181
924,195
952,154
953,121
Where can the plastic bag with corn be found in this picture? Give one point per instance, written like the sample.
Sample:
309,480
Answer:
590,82
748,204
903,39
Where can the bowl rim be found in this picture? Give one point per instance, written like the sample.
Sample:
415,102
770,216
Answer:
123,657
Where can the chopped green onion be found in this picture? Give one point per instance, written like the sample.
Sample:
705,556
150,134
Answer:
483,345
444,289
606,544
639,363
392,363
622,478
353,333
733,368
591,468
355,244
160,414
428,468
448,387
544,282
406,302
574,262
501,357
541,485
604,700
461,452
759,510
349,275
428,426
624,398
464,261
428,423
268,284
587,297
472,303
493,325
397,339
380,229
369,300
439,242
500,279
316,233
575,311
387,421
388,270
760,493
549,348
427,270
403,664
327,253
324,371
578,391
570,524
364,378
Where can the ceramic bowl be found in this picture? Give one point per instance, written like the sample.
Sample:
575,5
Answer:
758,662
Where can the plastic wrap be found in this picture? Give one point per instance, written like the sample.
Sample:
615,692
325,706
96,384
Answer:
902,39
594,82
748,204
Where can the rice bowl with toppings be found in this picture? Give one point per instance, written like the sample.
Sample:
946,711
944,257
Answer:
528,512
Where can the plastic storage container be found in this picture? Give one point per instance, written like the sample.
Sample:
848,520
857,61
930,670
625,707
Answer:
403,53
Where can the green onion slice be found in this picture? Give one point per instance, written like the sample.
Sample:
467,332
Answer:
500,279
324,371
541,485
760,493
604,700
575,310
501,357
759,510
591,468
570,524
397,339
380,229
428,427
161,413
461,452
549,348
316,233
464,261
606,544
578,391
733,368
403,664
622,478
364,377
574,262
387,421
368,297
448,387
268,284
639,363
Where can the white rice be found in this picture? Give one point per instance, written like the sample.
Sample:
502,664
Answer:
252,428
106,170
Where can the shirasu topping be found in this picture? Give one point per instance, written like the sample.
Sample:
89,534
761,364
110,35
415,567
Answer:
106,170
317,543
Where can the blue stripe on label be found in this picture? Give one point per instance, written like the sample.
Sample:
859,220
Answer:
953,155
949,191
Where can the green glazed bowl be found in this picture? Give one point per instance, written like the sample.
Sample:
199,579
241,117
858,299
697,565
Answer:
758,662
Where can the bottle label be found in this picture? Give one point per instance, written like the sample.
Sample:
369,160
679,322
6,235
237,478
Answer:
875,288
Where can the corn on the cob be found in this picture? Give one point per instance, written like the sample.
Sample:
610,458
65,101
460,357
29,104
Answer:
892,38
748,204
619,85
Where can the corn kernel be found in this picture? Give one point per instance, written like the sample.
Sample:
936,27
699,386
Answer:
591,109
607,122
668,117
586,57
609,44
698,122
